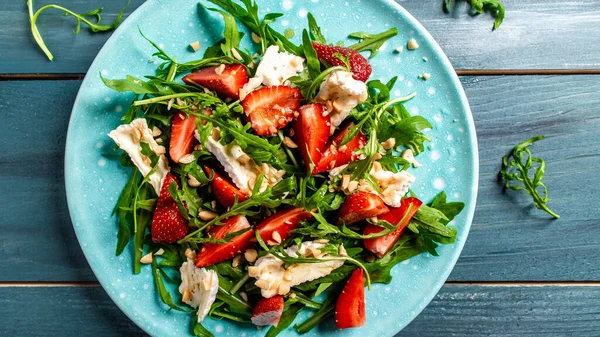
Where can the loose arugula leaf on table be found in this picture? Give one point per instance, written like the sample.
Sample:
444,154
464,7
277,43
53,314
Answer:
494,7
81,17
516,176
371,42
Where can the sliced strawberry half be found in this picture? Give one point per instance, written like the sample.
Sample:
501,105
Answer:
380,246
168,224
271,108
360,206
350,305
211,253
334,155
225,79
268,311
359,66
223,190
182,136
311,131
282,222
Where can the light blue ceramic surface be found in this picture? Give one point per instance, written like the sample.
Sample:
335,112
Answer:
94,181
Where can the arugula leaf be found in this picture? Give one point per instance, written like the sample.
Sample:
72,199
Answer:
231,34
407,132
94,27
327,309
199,330
312,60
163,293
315,30
449,209
372,42
515,169
124,202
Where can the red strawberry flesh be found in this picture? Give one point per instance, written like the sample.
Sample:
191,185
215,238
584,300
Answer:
359,66
269,109
226,80
311,131
182,136
224,191
268,311
335,155
282,222
350,305
211,253
168,224
359,206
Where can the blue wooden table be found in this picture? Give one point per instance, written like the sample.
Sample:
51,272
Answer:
520,273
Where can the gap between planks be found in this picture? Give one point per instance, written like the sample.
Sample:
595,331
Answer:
459,72
54,284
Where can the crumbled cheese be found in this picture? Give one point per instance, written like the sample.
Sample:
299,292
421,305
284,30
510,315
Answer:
203,286
273,279
393,185
242,170
344,93
129,136
274,69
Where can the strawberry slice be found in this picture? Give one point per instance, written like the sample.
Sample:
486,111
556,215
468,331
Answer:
223,190
168,224
282,222
182,136
211,253
380,246
334,156
311,131
225,79
359,66
268,311
359,206
350,305
271,108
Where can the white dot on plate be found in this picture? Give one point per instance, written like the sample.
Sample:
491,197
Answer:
436,155
122,295
375,313
397,93
287,4
302,13
284,23
452,169
146,286
439,183
107,99
191,24
438,118
431,91
414,110
219,328
449,137
409,84
104,72
102,162
461,129
99,145
118,108
182,31
456,195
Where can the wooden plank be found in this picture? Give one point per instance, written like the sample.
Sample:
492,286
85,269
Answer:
509,239
537,34
455,311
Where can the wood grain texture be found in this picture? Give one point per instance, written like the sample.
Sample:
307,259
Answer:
509,240
537,34
455,311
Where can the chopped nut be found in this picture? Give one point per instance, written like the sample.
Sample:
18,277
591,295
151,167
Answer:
236,261
332,148
195,45
255,56
296,114
343,148
219,70
377,156
159,252
325,113
251,65
180,102
159,140
188,158
276,237
215,134
192,181
242,94
265,168
137,135
244,159
425,76
328,106
292,295
170,104
409,156
255,38
412,44
190,254
374,219
262,284
337,106
287,141
352,186
425,59
146,259
271,243
331,189
377,166
252,271
187,296
272,129
156,132
197,147
388,144
236,54
284,288
244,296
213,204
160,150
345,181
251,255
399,49
342,251
206,283
332,164
207,215
322,241
287,276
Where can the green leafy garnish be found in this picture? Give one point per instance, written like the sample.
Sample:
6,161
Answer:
515,174
372,42
81,17
494,7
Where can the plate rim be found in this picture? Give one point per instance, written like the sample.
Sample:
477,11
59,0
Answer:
470,207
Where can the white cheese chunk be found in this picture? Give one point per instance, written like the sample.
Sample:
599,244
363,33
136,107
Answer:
203,286
129,136
343,92
274,69
273,279
393,185
242,169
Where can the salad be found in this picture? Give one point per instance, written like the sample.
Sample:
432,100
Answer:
272,179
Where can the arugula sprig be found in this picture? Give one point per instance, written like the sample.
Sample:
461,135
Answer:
81,17
494,7
516,176
371,42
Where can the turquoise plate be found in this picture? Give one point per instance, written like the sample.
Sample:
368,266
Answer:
94,180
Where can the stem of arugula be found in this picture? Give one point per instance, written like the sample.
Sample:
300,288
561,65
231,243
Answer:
287,150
